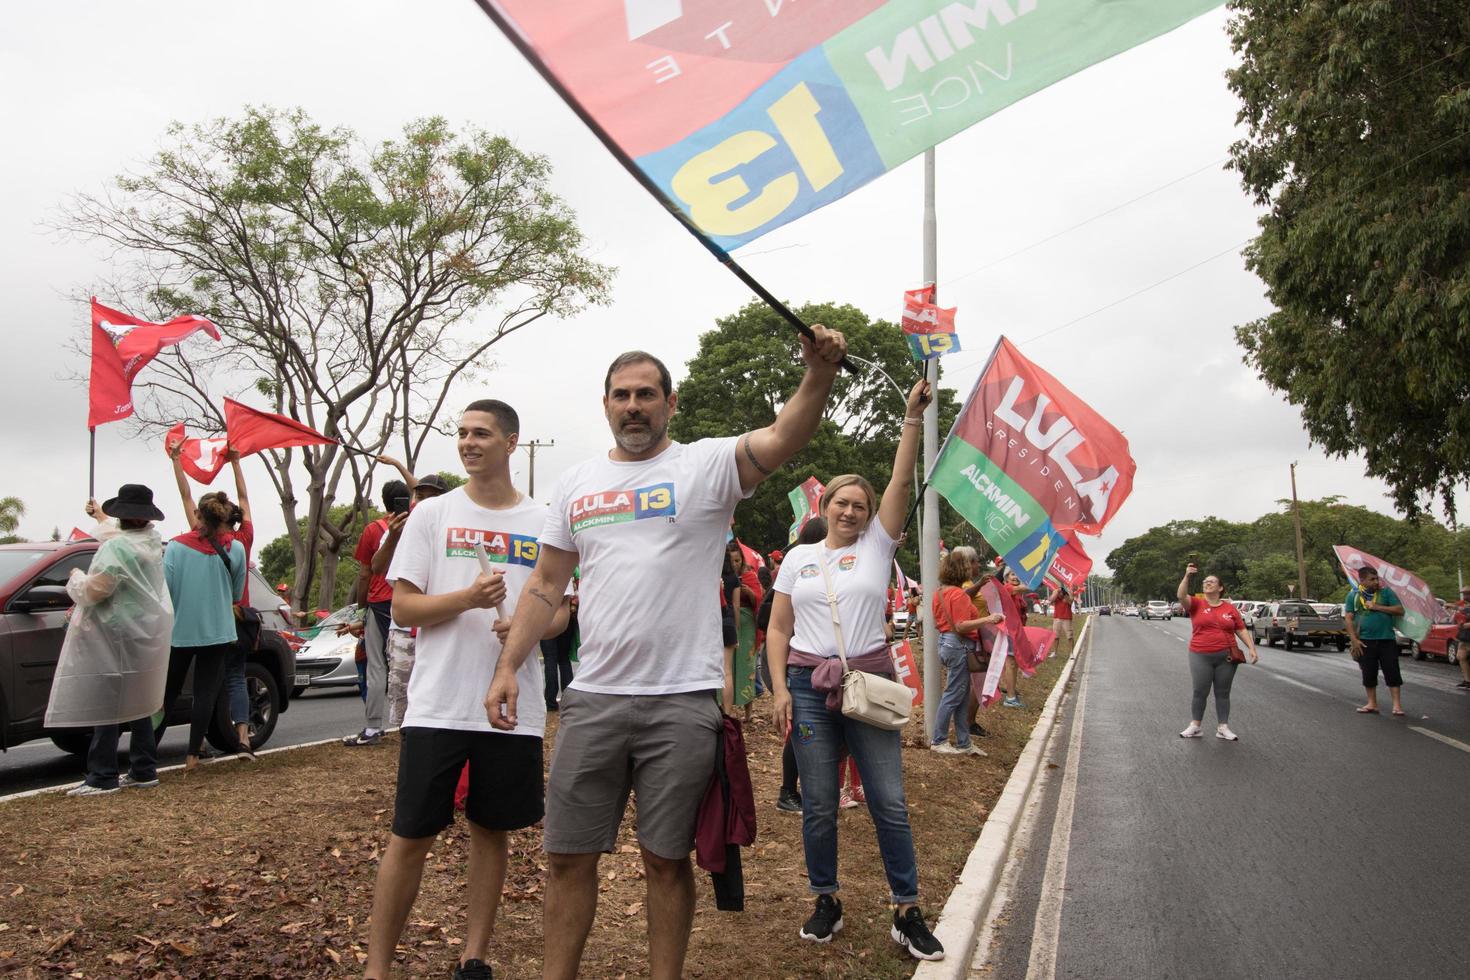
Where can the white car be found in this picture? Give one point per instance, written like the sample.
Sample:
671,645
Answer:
1156,609
329,660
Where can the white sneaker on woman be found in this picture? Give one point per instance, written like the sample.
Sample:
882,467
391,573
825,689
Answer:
1224,732
1193,731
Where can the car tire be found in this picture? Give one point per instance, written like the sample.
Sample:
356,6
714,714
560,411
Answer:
265,708
1452,651
1417,650
1341,644
75,741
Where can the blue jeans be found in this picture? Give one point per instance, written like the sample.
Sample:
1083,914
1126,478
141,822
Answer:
142,753
954,704
235,686
818,736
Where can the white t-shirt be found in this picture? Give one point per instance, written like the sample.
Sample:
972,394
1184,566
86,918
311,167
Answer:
859,574
455,659
650,537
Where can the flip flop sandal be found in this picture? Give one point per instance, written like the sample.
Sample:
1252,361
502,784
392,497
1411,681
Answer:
1399,714
1367,711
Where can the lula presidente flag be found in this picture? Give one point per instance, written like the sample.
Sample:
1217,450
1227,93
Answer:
251,430
1414,594
928,327
748,114
1071,564
804,501
122,346
1027,459
202,459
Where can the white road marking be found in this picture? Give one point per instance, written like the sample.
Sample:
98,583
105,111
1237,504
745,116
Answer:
1291,680
1441,738
1047,928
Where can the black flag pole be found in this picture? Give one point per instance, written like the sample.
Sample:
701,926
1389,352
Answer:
523,45
92,462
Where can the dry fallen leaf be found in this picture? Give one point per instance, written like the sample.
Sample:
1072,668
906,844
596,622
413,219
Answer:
60,942
336,956
19,891
183,948
633,909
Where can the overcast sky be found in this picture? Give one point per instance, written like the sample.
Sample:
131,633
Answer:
91,86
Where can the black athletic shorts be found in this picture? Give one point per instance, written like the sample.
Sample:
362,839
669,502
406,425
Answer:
727,626
507,791
1384,654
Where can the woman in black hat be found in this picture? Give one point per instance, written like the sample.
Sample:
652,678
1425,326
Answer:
115,657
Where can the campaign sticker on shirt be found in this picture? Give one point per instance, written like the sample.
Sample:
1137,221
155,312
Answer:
501,547
622,506
845,563
808,571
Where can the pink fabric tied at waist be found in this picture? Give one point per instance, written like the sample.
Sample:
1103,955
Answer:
827,671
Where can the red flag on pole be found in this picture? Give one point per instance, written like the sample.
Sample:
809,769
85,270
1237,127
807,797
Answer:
77,534
121,347
202,459
251,430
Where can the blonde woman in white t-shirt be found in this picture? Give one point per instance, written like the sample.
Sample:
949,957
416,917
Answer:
806,684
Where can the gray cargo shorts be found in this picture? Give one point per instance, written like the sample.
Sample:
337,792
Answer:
659,746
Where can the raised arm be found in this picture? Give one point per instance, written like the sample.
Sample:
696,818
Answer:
241,497
1183,591
539,603
895,505
402,471
191,513
763,451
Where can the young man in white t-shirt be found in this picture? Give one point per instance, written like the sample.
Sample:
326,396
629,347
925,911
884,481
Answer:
438,587
647,525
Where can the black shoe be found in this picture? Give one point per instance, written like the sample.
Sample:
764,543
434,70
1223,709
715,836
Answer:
789,801
979,732
910,930
363,738
825,921
473,970
1463,684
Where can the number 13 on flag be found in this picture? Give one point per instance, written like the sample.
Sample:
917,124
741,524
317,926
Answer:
926,346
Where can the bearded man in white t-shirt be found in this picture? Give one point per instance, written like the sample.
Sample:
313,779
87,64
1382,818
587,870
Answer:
439,588
646,523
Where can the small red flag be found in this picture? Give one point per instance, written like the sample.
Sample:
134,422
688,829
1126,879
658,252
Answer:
121,347
251,430
202,459
77,534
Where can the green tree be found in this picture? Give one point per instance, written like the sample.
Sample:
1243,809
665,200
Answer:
744,371
354,286
1358,114
12,509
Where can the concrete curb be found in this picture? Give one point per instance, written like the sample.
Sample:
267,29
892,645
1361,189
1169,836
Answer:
174,768
969,903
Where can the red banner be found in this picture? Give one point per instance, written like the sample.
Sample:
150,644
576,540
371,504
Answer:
907,669
251,430
202,459
1071,565
121,347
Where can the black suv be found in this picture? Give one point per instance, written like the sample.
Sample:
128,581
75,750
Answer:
34,609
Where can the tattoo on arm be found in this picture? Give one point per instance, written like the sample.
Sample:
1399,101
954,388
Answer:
750,455
544,598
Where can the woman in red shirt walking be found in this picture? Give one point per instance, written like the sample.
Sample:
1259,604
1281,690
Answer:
1215,625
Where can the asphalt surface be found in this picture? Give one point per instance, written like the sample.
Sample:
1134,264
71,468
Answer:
1322,844
314,716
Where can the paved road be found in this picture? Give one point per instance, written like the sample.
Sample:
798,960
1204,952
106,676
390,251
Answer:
1323,844
313,716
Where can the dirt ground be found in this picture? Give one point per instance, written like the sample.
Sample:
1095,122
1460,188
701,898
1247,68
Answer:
267,870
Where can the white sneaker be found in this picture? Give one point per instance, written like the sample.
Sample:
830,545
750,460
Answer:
1224,732
86,789
1193,731
944,748
973,749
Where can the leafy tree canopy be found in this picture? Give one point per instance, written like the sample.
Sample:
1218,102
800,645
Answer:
1257,560
1358,115
751,362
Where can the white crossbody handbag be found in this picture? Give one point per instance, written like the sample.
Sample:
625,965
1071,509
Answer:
868,698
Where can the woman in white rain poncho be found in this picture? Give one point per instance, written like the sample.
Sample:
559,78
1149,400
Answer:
114,659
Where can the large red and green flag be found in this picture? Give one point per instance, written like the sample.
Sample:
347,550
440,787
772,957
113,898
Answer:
122,345
1420,607
748,114
1027,460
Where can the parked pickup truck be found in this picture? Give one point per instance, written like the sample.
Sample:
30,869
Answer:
1295,623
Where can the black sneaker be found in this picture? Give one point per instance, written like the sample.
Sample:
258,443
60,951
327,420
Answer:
789,801
979,732
910,930
473,970
363,737
825,921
